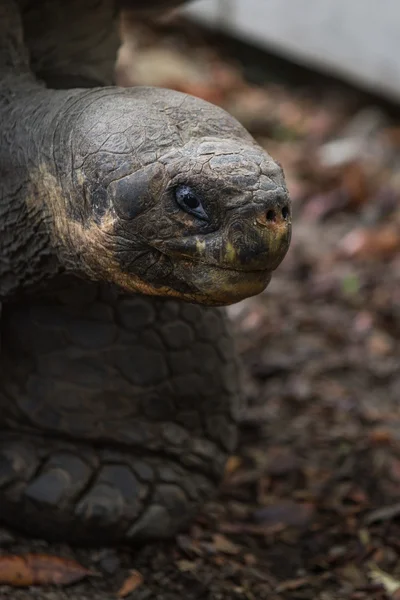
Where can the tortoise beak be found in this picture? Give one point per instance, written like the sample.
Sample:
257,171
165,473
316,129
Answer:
259,237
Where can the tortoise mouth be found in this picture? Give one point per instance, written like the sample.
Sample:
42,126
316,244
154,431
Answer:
259,255
217,285
181,257
219,267
196,280
202,282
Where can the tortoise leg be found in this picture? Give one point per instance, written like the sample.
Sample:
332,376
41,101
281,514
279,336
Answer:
84,53
117,414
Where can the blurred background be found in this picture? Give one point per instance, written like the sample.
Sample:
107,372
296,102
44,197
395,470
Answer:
310,506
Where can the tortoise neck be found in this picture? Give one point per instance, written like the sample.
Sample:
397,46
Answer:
64,44
26,255
18,225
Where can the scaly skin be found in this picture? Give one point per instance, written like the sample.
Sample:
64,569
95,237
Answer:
117,410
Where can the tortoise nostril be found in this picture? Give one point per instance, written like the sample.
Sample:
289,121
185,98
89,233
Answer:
285,212
271,215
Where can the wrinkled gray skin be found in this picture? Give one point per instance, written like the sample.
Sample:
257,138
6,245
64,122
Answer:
118,390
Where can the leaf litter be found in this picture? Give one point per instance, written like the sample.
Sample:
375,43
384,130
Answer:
40,570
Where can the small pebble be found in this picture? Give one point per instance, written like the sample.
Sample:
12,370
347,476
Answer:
109,562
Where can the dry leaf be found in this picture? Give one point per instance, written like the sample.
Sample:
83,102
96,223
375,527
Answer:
355,183
40,569
186,566
293,584
383,514
233,464
222,544
130,584
390,584
251,528
376,244
380,435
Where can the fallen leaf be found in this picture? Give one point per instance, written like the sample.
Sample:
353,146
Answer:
364,536
367,243
40,569
222,544
189,544
250,559
380,436
390,584
357,495
232,465
354,181
131,583
293,584
380,343
352,574
186,566
383,514
252,529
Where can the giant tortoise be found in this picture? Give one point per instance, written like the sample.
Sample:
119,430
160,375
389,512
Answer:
128,218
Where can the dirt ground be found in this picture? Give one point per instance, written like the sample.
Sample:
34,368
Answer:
310,505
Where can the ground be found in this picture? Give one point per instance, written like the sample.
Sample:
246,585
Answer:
310,505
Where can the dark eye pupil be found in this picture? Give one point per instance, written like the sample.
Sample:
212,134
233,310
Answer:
186,197
191,200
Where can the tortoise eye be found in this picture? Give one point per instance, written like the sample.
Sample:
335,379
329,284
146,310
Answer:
190,201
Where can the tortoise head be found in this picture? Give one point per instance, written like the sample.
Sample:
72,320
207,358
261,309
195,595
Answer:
170,196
